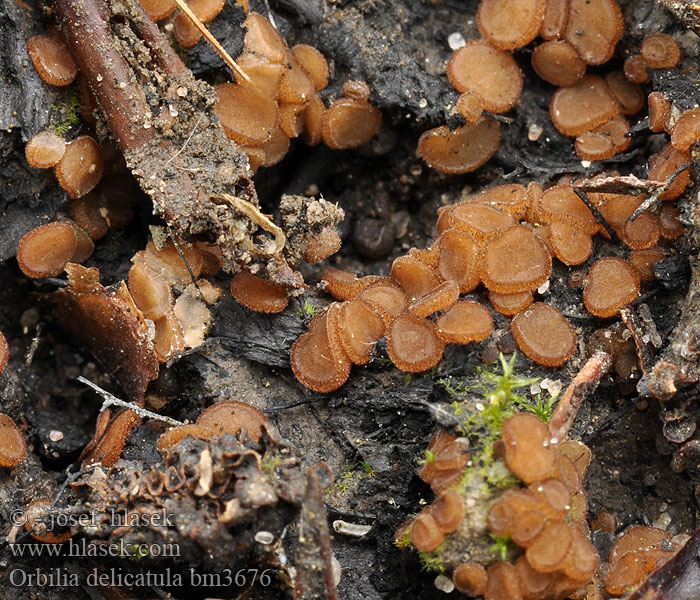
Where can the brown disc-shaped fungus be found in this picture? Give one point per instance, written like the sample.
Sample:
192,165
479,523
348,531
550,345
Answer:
247,116
516,261
659,111
448,510
560,203
593,28
158,9
174,435
109,447
611,284
488,72
13,447
628,94
4,351
314,363
86,212
151,292
275,148
257,294
463,150
52,60
262,39
230,416
664,164
45,149
439,298
502,582
533,583
659,51
581,107
342,285
470,578
529,452
671,228
571,245
168,262
510,198
510,304
556,62
549,549
291,119
34,512
544,335
359,328
265,76
470,106
556,14
642,233
464,322
387,297
415,277
313,120
527,527
348,123
686,131
323,245
412,344
635,69
643,261
509,25
45,251
617,129
314,64
480,220
591,145
426,534
80,169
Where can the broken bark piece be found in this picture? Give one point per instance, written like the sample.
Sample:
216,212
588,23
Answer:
110,325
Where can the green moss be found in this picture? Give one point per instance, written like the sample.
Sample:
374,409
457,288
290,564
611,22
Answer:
500,545
431,561
65,113
308,309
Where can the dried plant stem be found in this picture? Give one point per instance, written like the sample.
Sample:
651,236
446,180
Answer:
254,214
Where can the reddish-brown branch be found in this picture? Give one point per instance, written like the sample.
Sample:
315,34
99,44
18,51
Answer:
585,381
85,24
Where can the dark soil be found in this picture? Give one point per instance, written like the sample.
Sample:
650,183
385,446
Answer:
373,430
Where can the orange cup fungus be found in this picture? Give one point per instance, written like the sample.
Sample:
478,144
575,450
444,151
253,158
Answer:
257,294
594,28
35,510
45,149
46,250
52,60
80,168
611,283
509,25
230,416
544,335
582,106
558,63
13,447
660,51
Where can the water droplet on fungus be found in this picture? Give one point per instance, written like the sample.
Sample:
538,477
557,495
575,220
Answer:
488,72
230,416
593,28
509,25
45,251
582,106
544,335
611,284
463,323
660,51
13,448
45,149
515,261
557,63
463,150
80,169
52,60
412,344
257,294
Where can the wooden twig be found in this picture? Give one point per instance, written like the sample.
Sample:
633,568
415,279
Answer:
585,381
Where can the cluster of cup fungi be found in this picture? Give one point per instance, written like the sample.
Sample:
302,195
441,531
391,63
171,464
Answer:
504,238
